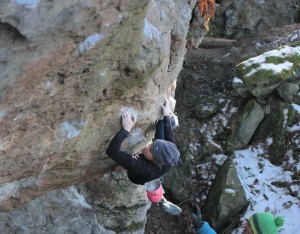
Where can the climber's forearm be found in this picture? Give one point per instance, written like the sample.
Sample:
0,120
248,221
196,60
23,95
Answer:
114,146
169,135
113,151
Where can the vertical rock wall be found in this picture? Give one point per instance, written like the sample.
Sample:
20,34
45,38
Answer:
67,68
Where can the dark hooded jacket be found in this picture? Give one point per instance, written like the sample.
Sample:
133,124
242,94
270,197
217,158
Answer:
140,170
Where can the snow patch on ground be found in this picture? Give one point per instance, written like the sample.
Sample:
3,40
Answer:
258,175
219,158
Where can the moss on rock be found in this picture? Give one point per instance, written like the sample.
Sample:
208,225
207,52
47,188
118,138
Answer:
269,69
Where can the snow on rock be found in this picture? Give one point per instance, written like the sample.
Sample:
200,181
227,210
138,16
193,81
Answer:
282,52
276,68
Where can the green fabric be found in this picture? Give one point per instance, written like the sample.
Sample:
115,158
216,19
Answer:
265,223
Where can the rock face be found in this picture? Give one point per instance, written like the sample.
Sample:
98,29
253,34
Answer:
239,19
118,204
67,68
226,197
261,79
246,124
60,211
103,205
261,75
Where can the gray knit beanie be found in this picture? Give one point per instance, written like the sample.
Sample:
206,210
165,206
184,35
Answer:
165,153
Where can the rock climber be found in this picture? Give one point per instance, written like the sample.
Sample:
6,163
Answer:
155,160
258,223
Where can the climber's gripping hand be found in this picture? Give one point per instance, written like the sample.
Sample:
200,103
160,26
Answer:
128,120
166,107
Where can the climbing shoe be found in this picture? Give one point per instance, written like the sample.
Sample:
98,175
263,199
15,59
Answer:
174,121
169,207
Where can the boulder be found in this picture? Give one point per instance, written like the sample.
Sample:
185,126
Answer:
288,91
119,205
59,211
178,180
260,76
245,124
226,197
67,69
208,106
274,127
242,19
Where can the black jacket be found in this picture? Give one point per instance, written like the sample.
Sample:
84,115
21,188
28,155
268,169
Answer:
140,170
